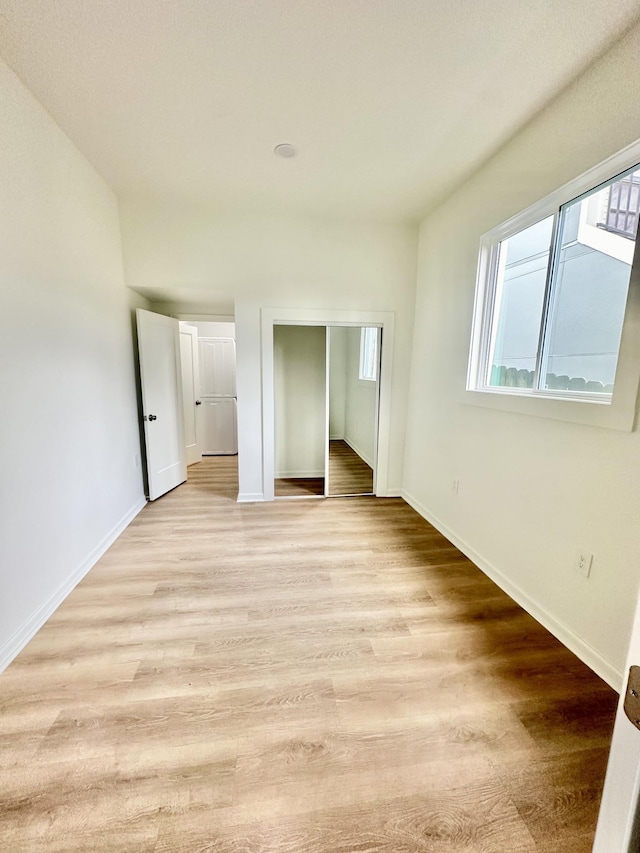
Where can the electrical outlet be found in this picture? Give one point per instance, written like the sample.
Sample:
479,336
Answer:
455,486
582,563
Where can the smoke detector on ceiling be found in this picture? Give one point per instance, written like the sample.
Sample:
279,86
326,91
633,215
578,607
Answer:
284,150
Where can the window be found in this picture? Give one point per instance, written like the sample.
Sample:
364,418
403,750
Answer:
368,369
552,294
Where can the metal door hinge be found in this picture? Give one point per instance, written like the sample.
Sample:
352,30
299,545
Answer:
632,696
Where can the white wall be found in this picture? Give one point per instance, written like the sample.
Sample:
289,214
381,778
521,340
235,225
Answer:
532,491
213,329
216,261
361,398
300,382
71,475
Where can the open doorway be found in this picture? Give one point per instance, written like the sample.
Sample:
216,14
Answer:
187,373
216,401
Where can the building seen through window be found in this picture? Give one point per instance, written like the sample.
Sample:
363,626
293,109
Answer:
623,204
560,292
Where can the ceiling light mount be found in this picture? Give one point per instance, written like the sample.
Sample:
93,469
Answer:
285,149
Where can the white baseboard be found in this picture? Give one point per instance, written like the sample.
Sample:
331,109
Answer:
587,654
360,453
292,475
15,643
249,497
393,493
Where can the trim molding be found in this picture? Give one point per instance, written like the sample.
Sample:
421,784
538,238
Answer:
359,452
14,645
269,317
587,654
283,475
249,497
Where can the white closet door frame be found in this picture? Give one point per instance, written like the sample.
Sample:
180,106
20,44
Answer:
316,317
377,411
327,402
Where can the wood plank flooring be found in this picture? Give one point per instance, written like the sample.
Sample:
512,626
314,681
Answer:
295,677
348,473
298,487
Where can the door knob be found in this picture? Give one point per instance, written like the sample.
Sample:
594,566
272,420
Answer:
152,418
198,402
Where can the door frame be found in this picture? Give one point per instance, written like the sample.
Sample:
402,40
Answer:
271,317
619,816
327,413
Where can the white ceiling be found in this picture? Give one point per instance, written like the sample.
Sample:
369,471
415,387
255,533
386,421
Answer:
390,102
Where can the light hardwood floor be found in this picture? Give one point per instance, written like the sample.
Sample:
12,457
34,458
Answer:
298,487
348,473
295,677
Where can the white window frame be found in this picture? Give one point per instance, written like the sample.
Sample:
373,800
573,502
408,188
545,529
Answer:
616,411
368,339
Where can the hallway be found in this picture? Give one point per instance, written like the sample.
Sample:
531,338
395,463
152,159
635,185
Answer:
300,676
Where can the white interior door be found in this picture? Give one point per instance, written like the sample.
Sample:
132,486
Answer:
190,392
619,820
219,426
218,367
161,381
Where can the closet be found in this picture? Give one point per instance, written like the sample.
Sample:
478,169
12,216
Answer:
326,397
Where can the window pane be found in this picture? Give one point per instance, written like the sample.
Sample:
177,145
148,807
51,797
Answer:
597,240
368,354
520,285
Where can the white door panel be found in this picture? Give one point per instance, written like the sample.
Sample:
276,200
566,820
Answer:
219,431
190,391
618,829
217,367
160,376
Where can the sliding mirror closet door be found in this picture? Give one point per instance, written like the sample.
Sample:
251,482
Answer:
354,355
300,400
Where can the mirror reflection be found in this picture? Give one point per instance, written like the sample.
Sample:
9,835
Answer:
353,402
326,409
300,380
